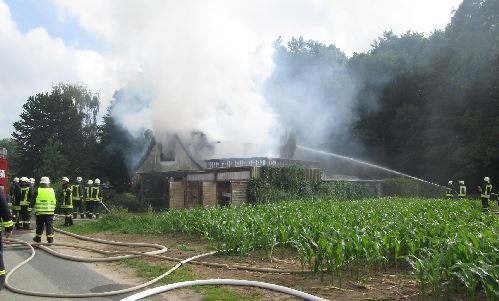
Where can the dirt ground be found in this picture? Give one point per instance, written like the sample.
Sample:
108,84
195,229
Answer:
390,285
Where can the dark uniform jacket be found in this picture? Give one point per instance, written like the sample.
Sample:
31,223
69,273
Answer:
5,216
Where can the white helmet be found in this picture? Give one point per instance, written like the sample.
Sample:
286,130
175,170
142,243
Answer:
90,182
97,181
78,179
16,179
450,182
486,179
45,180
24,179
32,180
65,179
461,182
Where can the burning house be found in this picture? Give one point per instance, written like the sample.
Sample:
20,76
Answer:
181,181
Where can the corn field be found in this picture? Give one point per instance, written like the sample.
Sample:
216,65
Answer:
447,244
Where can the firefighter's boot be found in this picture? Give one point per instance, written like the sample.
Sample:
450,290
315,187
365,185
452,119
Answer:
50,240
37,239
75,215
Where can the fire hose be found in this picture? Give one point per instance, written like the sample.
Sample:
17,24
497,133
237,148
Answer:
160,249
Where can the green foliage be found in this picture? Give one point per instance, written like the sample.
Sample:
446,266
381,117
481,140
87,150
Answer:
54,133
12,155
284,183
127,201
436,99
411,188
446,242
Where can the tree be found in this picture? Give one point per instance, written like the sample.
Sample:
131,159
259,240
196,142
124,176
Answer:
51,131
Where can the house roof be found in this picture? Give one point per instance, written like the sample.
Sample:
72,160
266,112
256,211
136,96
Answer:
183,160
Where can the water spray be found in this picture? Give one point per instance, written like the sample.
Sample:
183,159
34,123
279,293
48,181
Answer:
365,163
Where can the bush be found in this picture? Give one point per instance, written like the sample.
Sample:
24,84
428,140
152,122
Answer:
127,201
412,188
288,183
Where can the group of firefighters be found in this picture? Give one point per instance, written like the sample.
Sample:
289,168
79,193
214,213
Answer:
25,196
485,190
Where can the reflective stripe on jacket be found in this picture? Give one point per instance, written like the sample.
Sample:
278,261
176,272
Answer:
486,191
76,192
462,191
24,196
95,193
67,198
45,201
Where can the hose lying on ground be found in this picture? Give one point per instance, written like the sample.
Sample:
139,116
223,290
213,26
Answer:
269,286
160,249
205,263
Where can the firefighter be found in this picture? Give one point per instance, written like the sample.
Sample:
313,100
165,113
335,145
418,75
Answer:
24,220
44,204
15,198
6,219
485,191
67,202
462,190
89,204
77,193
12,190
32,182
95,198
450,190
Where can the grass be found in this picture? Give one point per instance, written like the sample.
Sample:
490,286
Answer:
144,269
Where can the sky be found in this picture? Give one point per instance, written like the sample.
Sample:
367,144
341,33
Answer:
210,56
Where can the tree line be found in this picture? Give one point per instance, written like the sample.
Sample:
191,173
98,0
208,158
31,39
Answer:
426,106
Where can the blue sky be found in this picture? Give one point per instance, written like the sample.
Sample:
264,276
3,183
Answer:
29,14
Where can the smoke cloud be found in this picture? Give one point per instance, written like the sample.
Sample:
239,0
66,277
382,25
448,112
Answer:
201,66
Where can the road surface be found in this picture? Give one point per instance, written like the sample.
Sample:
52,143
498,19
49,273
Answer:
46,273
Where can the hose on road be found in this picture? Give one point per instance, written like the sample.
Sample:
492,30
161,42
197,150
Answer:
160,249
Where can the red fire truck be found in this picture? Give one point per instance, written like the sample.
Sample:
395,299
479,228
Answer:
4,167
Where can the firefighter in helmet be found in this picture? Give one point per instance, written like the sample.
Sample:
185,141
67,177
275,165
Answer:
89,204
67,202
77,192
44,204
462,190
24,219
450,190
6,220
485,190
95,198
15,198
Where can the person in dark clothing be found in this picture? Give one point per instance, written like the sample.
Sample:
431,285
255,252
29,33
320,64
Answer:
95,199
485,190
16,200
67,202
24,220
89,204
6,219
450,190
44,204
78,195
13,189
462,190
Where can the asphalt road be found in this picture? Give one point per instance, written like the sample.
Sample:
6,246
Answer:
46,273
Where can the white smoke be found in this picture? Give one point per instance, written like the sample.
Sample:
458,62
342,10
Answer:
197,68
201,65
